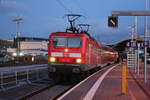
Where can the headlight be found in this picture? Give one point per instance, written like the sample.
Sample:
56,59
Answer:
78,60
52,59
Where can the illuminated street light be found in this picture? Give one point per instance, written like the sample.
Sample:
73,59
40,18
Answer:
18,20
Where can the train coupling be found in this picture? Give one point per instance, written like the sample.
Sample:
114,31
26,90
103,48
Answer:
76,70
52,69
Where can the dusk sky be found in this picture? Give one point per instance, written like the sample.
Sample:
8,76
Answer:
41,17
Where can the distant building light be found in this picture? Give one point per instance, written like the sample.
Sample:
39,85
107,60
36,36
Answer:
20,54
32,59
141,52
15,54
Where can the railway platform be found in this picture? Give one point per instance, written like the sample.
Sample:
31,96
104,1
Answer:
106,85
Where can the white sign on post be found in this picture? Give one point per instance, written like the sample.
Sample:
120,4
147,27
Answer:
131,59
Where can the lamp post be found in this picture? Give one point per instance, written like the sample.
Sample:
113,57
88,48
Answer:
145,49
17,20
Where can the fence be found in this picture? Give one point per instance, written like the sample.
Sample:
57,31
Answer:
17,76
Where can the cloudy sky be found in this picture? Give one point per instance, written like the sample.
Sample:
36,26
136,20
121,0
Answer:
41,17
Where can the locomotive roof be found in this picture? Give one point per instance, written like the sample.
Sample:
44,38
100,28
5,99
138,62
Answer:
74,33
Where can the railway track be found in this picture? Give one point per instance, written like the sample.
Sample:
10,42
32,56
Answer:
41,90
51,92
21,91
35,94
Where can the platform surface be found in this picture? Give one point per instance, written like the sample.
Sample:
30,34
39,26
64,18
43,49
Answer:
106,85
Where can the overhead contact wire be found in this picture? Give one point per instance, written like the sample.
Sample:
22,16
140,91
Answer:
62,4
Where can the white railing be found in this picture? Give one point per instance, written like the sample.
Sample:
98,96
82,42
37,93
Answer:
17,76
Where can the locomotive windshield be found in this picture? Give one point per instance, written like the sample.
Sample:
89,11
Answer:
67,42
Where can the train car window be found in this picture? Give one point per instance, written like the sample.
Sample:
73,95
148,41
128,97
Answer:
74,42
67,42
59,41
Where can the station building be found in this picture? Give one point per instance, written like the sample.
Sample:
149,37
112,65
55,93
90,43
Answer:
4,44
30,46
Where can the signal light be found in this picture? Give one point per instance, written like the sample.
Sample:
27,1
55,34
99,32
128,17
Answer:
112,21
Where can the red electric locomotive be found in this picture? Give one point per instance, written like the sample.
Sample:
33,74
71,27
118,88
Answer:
76,53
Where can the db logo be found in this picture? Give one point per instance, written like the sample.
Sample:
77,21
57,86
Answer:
66,54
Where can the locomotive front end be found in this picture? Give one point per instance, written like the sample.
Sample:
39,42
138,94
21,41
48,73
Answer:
65,53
